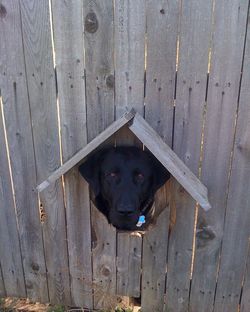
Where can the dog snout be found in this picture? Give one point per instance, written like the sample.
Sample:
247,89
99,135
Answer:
126,209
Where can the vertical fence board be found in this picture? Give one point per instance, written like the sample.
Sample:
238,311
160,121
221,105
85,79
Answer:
129,260
237,218
190,100
130,28
69,51
19,134
226,59
11,260
162,26
98,32
245,300
154,259
42,95
2,288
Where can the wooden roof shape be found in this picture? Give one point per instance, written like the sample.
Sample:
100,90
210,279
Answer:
147,135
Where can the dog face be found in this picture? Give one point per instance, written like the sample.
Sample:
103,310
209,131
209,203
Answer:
124,181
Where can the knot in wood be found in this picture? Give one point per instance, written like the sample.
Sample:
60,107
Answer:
110,81
91,23
105,271
35,266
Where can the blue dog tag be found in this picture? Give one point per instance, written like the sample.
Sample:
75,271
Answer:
141,220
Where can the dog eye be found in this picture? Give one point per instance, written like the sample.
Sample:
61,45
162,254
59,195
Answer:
139,176
111,174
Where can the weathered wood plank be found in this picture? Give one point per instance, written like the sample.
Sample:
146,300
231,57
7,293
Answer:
19,134
154,261
2,288
129,261
162,27
68,27
224,78
99,65
237,219
245,299
170,160
43,107
130,29
11,271
190,99
90,147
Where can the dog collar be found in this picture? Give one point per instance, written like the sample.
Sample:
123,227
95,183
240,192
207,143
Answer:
141,221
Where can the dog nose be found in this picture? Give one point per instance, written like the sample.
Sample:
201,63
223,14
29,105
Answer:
126,210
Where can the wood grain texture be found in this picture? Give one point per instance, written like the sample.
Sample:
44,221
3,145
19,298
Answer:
129,42
162,27
130,27
19,133
11,271
68,25
2,288
224,78
128,264
154,261
86,150
237,219
245,299
170,160
43,107
194,37
98,34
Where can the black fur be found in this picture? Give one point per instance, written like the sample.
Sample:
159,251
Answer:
124,180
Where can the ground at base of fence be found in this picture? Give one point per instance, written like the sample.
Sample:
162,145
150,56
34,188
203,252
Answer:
25,305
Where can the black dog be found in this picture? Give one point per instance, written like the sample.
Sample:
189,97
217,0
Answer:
124,181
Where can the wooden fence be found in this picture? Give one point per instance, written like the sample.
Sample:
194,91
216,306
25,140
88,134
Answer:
68,69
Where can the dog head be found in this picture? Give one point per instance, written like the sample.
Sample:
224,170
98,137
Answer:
124,181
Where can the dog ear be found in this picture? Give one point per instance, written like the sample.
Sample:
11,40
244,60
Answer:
90,171
161,174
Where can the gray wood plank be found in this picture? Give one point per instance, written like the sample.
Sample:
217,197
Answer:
129,264
190,99
68,28
99,64
11,271
85,151
130,27
170,160
245,299
19,134
237,219
154,261
43,107
129,41
162,27
226,60
2,288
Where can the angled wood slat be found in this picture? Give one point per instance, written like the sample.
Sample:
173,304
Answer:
99,139
170,160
